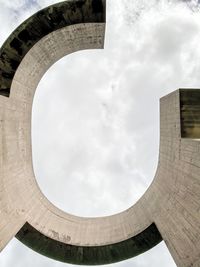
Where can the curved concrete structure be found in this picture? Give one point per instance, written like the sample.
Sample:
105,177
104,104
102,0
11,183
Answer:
170,207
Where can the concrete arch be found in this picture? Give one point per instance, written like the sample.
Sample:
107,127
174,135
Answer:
170,209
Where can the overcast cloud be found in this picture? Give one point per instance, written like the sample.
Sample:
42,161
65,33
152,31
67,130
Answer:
95,127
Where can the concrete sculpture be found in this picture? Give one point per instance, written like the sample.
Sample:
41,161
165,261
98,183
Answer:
170,208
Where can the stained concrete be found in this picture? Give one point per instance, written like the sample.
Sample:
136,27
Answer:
170,208
89,255
190,113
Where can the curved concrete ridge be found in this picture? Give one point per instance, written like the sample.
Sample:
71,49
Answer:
93,255
77,231
170,206
35,208
39,25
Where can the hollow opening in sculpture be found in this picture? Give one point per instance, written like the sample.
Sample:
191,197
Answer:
89,147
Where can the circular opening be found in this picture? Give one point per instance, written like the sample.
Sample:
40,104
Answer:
95,120
89,141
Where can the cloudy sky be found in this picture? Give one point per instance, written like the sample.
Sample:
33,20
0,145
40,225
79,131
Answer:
95,120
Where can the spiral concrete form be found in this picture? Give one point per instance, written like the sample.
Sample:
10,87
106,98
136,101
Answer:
170,208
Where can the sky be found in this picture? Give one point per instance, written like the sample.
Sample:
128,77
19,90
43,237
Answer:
95,117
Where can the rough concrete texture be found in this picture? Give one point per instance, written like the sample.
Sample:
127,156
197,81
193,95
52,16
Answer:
170,207
39,25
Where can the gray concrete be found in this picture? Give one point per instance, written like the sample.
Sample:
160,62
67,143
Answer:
170,207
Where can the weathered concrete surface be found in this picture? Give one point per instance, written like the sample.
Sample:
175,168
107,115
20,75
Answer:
39,25
92,255
170,207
